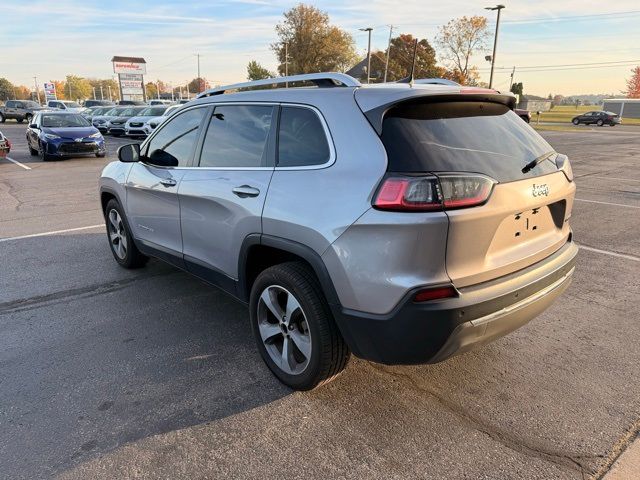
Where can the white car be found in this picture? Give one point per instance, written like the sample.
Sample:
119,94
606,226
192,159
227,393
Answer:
66,105
150,123
135,125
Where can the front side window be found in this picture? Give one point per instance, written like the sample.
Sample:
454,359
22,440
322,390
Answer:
237,137
301,139
11,104
178,137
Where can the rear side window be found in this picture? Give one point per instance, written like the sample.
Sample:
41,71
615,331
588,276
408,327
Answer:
237,136
480,137
301,138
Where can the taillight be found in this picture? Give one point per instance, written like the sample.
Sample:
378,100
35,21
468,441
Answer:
435,293
441,192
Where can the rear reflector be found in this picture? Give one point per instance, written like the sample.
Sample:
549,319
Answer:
427,193
437,293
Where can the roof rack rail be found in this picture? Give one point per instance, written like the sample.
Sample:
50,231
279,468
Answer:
330,79
436,81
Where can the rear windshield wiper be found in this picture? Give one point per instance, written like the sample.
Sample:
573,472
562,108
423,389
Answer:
537,161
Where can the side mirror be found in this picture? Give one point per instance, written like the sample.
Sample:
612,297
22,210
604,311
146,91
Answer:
33,125
129,153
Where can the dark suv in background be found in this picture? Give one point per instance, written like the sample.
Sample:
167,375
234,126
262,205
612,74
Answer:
19,110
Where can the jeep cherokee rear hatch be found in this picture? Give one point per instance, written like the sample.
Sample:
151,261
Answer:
507,194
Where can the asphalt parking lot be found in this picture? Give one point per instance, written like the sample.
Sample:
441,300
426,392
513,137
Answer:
107,373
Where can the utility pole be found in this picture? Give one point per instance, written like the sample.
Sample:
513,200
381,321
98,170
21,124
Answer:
286,63
368,29
386,63
101,93
158,89
35,82
199,81
69,85
94,93
513,72
495,41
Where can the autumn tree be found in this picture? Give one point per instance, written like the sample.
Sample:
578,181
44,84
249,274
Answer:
458,40
198,85
6,89
633,84
77,88
312,43
255,71
401,60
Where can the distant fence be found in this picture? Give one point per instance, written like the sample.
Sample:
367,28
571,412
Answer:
625,107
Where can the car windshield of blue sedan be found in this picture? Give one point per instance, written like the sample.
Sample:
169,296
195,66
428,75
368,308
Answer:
63,121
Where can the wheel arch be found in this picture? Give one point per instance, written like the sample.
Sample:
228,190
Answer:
259,252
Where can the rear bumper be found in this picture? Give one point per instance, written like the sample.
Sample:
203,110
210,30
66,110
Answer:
430,332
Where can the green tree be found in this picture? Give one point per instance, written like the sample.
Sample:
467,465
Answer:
458,40
401,59
255,71
517,88
313,44
6,89
78,88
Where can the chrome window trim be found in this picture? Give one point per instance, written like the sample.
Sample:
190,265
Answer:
323,122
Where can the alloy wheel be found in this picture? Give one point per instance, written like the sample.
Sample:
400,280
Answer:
284,329
117,234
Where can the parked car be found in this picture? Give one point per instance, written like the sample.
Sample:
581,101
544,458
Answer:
134,127
66,105
131,102
151,124
95,111
5,146
160,102
19,110
599,118
62,134
401,223
98,103
101,121
523,114
115,126
183,101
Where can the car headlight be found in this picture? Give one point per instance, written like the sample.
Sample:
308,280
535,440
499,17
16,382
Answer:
51,136
95,135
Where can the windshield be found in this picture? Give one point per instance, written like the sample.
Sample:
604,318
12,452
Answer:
72,104
153,112
481,137
129,112
64,120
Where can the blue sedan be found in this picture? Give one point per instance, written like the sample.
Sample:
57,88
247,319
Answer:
60,134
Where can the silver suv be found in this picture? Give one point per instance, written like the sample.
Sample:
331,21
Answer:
403,223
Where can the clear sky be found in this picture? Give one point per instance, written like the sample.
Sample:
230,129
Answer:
52,39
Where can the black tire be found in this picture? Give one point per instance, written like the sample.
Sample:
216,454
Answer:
28,117
600,123
575,121
33,152
43,153
19,120
2,119
329,353
133,258
101,155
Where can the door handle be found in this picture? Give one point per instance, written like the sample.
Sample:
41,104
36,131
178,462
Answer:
246,191
168,182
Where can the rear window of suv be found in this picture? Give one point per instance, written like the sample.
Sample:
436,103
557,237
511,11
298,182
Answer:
469,136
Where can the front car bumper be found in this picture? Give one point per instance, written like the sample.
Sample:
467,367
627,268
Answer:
430,332
71,148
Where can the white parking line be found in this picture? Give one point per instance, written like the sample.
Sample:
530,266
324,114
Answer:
18,163
607,203
53,232
608,252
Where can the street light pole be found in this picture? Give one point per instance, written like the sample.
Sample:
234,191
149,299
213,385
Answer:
199,81
513,72
368,29
495,41
386,63
35,82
